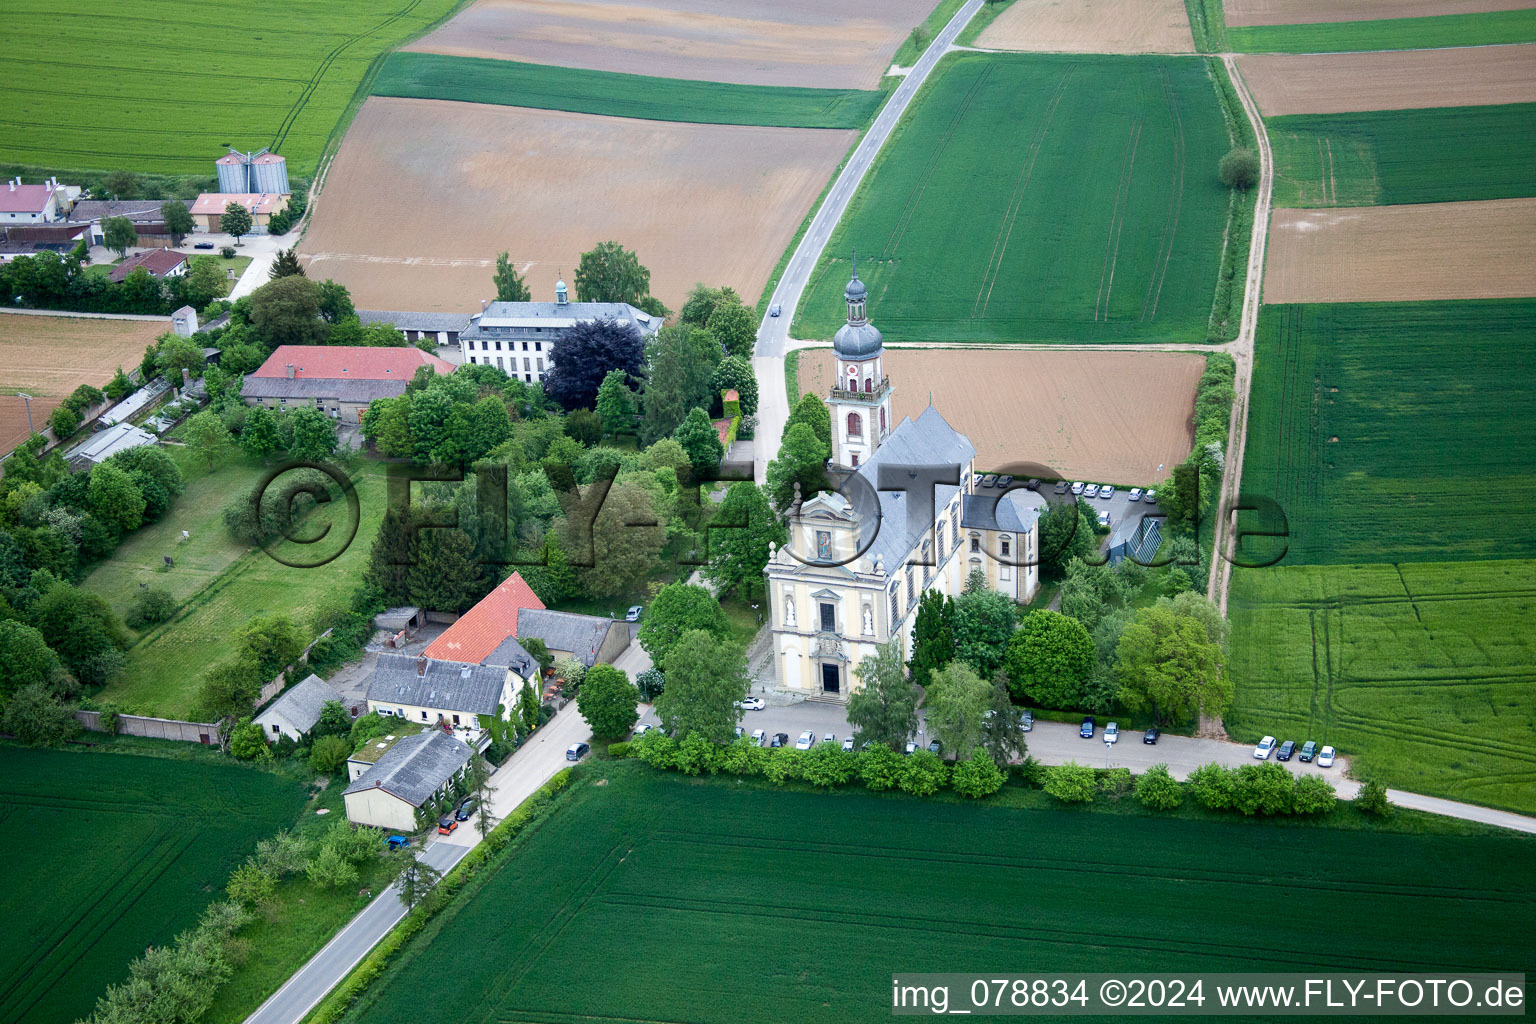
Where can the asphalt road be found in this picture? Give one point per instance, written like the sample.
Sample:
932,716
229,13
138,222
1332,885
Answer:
772,336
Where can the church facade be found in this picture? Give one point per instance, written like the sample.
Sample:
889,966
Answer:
909,517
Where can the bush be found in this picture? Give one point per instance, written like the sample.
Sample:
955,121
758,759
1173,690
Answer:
744,757
1372,799
1032,773
880,767
150,608
228,252
64,421
1157,790
656,749
782,765
247,742
923,774
329,754
977,777
1071,783
1115,782
1212,786
1239,168
282,855
250,886
827,765
650,683
696,755
1313,795
1263,788
618,750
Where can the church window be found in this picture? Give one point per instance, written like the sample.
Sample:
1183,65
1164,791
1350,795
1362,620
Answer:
975,544
911,589
868,385
895,603
927,568
1007,547
940,532
882,421
828,618
954,528
855,425
855,460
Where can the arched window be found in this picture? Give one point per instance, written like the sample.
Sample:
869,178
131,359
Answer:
855,425
868,384
882,421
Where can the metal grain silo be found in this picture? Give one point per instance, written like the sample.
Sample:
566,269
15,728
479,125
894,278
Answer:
269,173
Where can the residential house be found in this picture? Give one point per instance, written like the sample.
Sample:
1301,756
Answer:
338,379
30,204
479,632
297,709
489,632
587,638
208,209
158,263
409,773
449,696
516,337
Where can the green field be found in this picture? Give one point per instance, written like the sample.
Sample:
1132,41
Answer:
162,87
223,585
1387,34
1423,673
657,898
1396,432
436,76
1388,157
113,853
1039,198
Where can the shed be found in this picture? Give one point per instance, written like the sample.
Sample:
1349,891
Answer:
297,709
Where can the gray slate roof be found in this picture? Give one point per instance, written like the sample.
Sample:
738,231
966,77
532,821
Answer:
448,685
359,391
302,702
405,320
555,316
928,440
510,654
133,209
1013,512
582,635
415,767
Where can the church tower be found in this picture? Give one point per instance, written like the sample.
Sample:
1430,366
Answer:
860,399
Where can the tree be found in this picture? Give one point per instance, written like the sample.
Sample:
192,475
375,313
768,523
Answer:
624,546
445,574
270,643
1212,786
205,281
1066,533
118,234
701,441
122,184
1001,735
178,220
611,273
250,886
956,700
734,326
27,658
677,609
150,608
334,720
314,435
883,709
933,635
1239,169
336,304
417,880
706,678
740,534
236,220
1050,659
813,412
83,631
286,265
984,620
1313,795
1157,790
64,421
329,869
528,705
977,776
259,437
1263,788
586,354
329,754
880,767
1071,783
616,403
701,302
1197,607
1372,799
735,373
207,434
115,499
510,286
1168,664
584,427
682,363
38,718
608,701
480,786
247,742
229,689
802,464
287,312
923,774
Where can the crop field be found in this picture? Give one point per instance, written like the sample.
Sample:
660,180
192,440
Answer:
838,44
1479,250
1396,157
108,854
278,74
1090,26
436,76
1087,415
1423,672
465,181
1039,198
221,592
1391,432
1291,12
746,907
1477,29
1335,83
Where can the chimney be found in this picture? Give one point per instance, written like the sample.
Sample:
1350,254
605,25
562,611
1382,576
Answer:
421,665
290,371
186,375
464,672
483,304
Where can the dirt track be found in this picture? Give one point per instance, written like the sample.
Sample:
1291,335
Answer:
424,194
1091,415
1330,83
1091,26
828,43
1297,12
1403,253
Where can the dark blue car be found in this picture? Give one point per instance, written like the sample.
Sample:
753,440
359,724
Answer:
1086,732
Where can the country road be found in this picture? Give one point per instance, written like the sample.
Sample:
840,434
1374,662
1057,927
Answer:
773,335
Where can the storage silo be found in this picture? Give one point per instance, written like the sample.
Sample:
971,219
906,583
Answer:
232,173
269,173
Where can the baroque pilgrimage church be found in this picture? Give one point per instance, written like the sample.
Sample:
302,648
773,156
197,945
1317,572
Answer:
852,571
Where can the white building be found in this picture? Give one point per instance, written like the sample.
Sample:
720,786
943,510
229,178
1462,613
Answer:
31,204
446,695
295,712
408,773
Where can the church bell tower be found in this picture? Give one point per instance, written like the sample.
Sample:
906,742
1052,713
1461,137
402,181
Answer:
860,398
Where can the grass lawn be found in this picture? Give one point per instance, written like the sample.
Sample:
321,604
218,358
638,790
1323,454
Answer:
1388,157
227,588
1388,34
110,853
1039,197
278,75
437,76
704,876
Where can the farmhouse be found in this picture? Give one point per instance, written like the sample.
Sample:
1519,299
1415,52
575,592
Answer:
144,214
587,638
295,712
159,263
442,328
408,772
484,629
29,239
450,696
339,379
208,209
850,575
516,337
30,204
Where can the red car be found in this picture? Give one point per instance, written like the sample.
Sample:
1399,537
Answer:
446,825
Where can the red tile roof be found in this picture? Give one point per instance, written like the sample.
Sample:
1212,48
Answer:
350,362
484,627
158,263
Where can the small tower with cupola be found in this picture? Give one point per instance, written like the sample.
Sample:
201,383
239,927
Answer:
860,397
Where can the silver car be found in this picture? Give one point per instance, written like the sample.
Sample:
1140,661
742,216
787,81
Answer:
1107,491
806,741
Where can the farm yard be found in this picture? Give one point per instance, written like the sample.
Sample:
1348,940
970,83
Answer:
1090,26
1402,253
278,74
1481,28
443,171
876,884
1039,198
1085,414
108,854
1334,83
837,44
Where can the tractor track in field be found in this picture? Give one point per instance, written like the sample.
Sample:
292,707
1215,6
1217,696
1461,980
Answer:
1175,204
1117,223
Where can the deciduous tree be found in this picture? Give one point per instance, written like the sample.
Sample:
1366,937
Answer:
956,700
1166,663
206,434
586,354
608,701
259,436
510,286
678,609
236,220
314,435
735,372
611,273
734,326
740,534
699,439
802,463
984,620
118,234
706,678
115,499
616,404
884,708
178,220
813,412
933,635
1050,659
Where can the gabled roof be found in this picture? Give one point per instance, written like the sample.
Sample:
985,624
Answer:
582,635
442,685
257,202
302,702
415,767
406,320
1014,511
25,198
158,263
359,392
558,315
481,630
133,209
927,441
349,362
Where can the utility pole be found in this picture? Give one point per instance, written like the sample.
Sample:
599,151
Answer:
27,400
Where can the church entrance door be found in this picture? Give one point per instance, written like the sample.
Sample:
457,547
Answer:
829,679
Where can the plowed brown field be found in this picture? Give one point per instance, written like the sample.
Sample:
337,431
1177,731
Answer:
1403,253
845,44
1334,83
1091,26
425,193
1301,12
1112,416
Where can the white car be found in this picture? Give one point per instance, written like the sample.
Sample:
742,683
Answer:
758,736
1150,497
848,743
1107,491
1077,488
752,704
1325,757
1266,745
806,741
1103,517
909,747
641,730
830,737
1112,732
1091,491
1135,494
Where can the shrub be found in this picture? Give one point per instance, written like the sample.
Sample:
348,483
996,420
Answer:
354,845
656,749
64,421
619,750
745,757
977,777
695,755
150,608
247,741
329,753
107,720
1263,788
783,765
650,683
1212,786
1157,789
1071,783
923,774
250,886
329,869
1239,168
1372,799
880,767
1032,772
228,252
282,855
1115,782
1313,795
827,765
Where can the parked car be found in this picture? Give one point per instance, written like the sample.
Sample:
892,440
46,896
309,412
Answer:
1026,720
1091,491
1060,488
752,704
577,751
909,747
977,478
1112,732
830,737
775,309
1266,745
1150,497
1286,750
758,736
1151,735
633,615
1107,491
1077,488
203,245
1135,494
1005,480
1103,517
1325,757
446,825
740,732
466,809
641,730
1033,483
848,743
780,739
935,747
989,480
1086,729
806,741
1308,751
398,842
